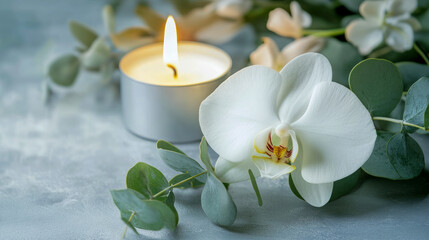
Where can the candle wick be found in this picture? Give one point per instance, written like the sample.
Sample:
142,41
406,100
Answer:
174,70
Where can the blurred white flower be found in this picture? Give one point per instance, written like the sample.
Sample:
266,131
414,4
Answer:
268,54
280,22
297,121
388,21
233,9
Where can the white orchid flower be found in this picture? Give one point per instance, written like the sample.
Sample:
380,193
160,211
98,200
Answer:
268,54
297,121
280,22
385,20
233,9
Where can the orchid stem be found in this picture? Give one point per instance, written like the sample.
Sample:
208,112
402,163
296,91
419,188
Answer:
421,53
402,122
324,33
177,184
126,227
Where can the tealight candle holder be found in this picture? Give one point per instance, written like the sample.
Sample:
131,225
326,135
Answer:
160,100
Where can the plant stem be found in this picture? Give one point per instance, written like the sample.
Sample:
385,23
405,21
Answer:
402,122
324,33
421,53
177,184
126,227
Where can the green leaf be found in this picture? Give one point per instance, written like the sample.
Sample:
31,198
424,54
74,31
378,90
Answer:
82,33
395,156
427,118
161,144
204,155
146,180
255,187
97,54
109,19
293,188
217,203
153,19
170,203
131,38
107,71
378,84
343,57
148,214
417,103
194,183
64,70
344,186
130,225
180,162
411,72
397,113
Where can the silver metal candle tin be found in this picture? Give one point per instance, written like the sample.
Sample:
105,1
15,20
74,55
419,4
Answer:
165,112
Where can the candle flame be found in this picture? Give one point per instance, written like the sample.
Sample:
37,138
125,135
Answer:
170,52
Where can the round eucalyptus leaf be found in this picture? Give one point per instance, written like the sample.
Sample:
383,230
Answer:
204,155
107,71
416,104
171,198
194,183
395,156
146,180
411,72
217,203
177,160
343,57
148,214
64,70
378,85
344,186
109,19
131,38
82,33
97,54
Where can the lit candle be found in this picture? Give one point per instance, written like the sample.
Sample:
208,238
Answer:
163,85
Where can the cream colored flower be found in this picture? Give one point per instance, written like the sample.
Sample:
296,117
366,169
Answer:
233,9
280,22
268,54
388,21
200,24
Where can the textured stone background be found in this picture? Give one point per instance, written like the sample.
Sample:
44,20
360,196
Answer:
58,162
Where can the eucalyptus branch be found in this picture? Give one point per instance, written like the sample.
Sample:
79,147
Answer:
177,184
402,122
126,227
421,53
324,33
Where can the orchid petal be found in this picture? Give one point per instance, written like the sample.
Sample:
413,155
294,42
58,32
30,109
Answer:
373,11
233,9
401,7
239,109
210,32
231,172
266,54
414,23
260,141
316,195
280,22
299,78
401,37
365,35
270,169
301,46
299,16
336,134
